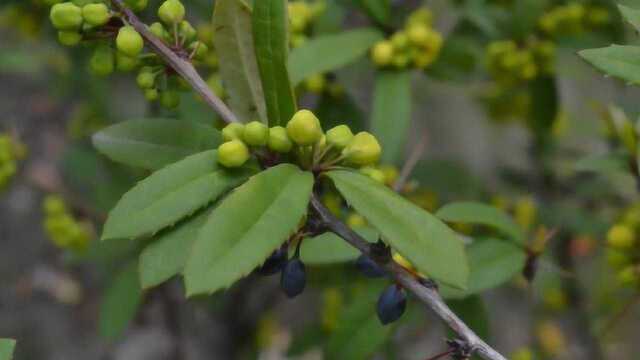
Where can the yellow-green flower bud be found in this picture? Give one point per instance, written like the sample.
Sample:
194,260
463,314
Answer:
279,140
129,42
256,134
158,30
233,131
419,34
146,79
151,94
171,12
102,61
69,38
126,63
339,136
53,205
373,173
199,48
233,153
621,237
186,31
315,83
66,16
363,149
400,40
96,14
382,53
629,276
137,5
170,99
304,128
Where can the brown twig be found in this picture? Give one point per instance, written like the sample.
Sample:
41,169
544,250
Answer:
611,324
182,66
410,164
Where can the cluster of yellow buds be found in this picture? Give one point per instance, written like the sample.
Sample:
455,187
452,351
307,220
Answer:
11,151
417,45
573,18
509,63
302,14
302,140
623,252
65,231
524,210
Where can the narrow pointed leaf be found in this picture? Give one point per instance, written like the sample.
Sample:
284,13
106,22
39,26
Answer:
270,36
120,303
167,254
621,61
247,226
154,143
631,15
418,236
238,65
171,194
6,349
483,214
329,248
330,52
391,114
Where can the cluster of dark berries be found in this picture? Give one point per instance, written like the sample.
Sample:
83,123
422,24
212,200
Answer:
293,277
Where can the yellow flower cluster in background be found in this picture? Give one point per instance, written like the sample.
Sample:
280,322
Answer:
623,253
64,230
417,45
11,151
302,14
509,63
573,18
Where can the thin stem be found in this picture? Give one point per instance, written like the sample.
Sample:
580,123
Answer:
425,294
183,67
611,324
410,164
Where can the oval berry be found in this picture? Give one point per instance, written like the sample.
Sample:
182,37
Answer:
293,278
391,304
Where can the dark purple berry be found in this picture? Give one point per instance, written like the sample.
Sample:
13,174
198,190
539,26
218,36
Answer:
293,278
368,267
391,304
274,263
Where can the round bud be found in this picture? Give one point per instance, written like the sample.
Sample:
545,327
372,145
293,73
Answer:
293,278
146,79
621,237
199,49
233,131
170,99
158,30
66,16
129,42
69,38
304,128
171,12
373,173
339,136
233,153
418,34
391,304
382,53
96,14
363,149
279,140
126,63
186,31
137,5
53,205
102,61
400,40
256,134
315,83
356,220
151,94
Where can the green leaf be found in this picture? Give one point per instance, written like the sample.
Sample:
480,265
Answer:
247,226
359,333
378,10
391,114
420,237
493,262
330,52
238,65
329,248
120,303
621,61
7,347
479,213
631,15
171,194
166,256
604,163
154,143
270,35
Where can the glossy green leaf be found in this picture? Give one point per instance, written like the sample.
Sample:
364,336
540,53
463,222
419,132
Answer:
604,163
631,15
391,114
329,248
621,61
330,52
359,333
493,262
7,347
270,36
120,303
247,226
483,214
420,237
171,194
238,65
167,254
154,143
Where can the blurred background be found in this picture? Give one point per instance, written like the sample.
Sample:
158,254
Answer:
56,301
